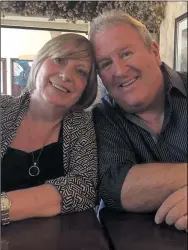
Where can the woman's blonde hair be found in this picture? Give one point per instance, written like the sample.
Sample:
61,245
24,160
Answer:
114,17
55,48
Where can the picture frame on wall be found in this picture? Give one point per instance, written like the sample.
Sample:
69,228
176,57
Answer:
180,43
19,74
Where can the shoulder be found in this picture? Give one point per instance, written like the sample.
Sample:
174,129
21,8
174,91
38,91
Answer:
183,76
82,120
13,105
107,110
7,101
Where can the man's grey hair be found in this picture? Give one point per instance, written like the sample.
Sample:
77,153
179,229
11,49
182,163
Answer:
114,17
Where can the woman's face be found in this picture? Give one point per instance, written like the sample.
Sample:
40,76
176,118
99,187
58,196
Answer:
61,81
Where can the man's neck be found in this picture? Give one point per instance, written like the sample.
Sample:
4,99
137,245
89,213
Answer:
153,116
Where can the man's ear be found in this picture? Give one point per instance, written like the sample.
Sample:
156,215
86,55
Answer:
155,51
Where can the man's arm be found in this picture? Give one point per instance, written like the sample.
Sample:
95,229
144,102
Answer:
123,183
146,186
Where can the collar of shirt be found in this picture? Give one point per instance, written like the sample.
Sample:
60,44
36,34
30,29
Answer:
172,79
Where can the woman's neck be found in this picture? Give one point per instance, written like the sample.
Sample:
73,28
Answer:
41,110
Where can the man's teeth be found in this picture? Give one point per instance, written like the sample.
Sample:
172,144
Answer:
129,82
59,87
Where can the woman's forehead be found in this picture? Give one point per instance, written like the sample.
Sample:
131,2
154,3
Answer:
73,52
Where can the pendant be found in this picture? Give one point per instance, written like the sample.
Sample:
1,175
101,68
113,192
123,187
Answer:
34,170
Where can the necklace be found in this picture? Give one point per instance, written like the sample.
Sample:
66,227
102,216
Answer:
34,170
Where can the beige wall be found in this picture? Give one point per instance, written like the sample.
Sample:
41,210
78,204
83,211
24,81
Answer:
173,10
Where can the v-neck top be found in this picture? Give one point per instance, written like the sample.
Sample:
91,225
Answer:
16,163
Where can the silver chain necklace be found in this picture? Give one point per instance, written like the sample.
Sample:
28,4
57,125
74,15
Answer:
34,170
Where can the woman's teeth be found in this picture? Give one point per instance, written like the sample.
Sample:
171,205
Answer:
129,82
59,87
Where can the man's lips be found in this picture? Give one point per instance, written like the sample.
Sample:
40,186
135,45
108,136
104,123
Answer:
129,82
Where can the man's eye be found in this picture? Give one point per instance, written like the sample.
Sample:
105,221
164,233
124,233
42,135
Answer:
103,65
126,54
81,72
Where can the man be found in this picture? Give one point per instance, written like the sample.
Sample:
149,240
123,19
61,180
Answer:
142,124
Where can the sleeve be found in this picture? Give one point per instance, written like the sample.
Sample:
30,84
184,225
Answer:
78,187
115,156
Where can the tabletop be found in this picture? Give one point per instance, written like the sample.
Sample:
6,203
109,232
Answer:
132,231
76,231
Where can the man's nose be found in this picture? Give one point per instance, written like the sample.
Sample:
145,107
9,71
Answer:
120,68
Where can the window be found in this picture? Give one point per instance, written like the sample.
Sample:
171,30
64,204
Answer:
3,76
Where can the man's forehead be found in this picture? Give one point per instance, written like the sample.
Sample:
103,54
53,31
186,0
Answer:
116,38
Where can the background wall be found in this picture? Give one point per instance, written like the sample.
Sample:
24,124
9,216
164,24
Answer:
167,29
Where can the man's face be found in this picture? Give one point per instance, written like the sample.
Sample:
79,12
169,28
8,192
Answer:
130,72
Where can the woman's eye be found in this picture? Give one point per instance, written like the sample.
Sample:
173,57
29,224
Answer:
126,54
82,72
58,60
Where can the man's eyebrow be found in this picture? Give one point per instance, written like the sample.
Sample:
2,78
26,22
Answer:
103,59
128,46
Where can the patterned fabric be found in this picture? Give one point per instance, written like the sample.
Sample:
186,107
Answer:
78,186
124,142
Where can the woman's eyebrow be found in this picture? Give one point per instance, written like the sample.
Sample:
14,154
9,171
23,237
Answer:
83,65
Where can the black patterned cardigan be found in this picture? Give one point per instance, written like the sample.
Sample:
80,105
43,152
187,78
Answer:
78,186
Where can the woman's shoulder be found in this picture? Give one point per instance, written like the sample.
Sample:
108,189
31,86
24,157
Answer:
85,116
82,119
8,100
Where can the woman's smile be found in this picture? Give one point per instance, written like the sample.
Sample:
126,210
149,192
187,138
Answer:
60,87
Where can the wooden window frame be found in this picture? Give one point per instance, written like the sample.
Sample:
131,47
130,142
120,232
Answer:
4,73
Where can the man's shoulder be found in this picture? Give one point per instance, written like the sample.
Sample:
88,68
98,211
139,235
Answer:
108,111
105,107
183,76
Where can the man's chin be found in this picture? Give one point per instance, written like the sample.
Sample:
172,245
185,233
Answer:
132,107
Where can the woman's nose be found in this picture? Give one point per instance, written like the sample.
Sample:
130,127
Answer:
64,77
66,73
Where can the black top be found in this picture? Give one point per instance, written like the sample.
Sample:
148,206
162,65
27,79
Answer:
123,141
16,163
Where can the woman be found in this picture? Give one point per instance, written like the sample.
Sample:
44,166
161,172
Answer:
48,148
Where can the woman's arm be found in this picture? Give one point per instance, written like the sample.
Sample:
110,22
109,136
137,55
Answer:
74,192
78,187
40,201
